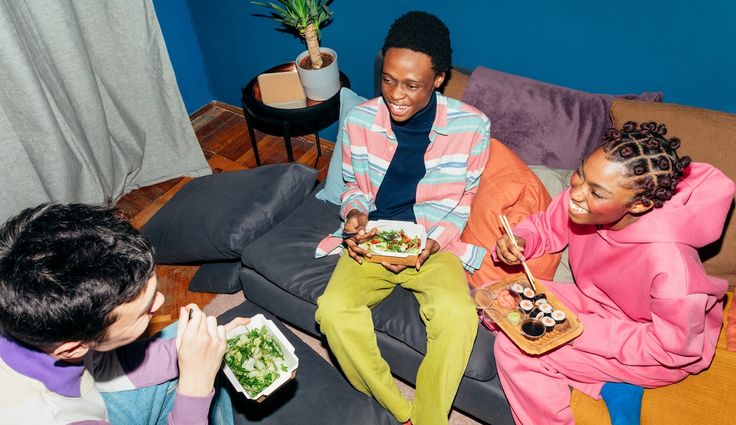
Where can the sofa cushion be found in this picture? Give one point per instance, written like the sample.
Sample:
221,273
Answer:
334,185
509,187
706,136
318,394
543,123
555,181
702,399
213,217
217,278
285,256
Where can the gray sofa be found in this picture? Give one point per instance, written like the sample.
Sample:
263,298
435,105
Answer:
281,275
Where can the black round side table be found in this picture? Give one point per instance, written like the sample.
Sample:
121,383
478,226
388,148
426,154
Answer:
316,115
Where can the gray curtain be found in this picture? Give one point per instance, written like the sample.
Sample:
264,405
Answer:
89,106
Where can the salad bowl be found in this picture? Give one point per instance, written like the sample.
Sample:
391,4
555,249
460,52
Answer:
259,358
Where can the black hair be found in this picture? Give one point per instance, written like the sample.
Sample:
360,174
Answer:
424,33
653,167
64,269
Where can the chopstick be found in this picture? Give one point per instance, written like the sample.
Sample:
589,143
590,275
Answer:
507,229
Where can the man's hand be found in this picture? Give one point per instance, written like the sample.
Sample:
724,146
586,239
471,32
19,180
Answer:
354,234
507,252
430,247
200,347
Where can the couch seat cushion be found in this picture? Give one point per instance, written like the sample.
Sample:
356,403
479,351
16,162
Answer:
285,256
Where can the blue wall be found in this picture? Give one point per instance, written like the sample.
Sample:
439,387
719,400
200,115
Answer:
685,49
185,52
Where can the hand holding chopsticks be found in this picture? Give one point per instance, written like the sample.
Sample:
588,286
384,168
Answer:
507,229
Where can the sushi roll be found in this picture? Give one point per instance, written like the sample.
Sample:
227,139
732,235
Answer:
536,314
549,323
528,294
540,299
518,288
559,316
526,306
546,309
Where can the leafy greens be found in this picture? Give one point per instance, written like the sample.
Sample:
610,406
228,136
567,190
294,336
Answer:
256,360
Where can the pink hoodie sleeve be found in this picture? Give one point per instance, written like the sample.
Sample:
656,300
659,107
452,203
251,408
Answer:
676,335
546,231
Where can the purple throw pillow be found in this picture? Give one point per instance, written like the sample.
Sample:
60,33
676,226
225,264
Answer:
543,123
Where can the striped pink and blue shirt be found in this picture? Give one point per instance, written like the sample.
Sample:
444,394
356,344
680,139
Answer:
454,161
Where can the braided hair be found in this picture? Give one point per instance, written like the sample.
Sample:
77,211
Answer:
653,167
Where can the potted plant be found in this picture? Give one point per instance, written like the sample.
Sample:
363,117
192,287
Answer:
317,66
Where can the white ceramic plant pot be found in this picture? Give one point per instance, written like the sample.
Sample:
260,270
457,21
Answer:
323,83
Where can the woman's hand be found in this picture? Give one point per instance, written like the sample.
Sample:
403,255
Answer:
355,234
507,252
200,347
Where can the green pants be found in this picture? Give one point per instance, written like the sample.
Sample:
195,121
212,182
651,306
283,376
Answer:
446,309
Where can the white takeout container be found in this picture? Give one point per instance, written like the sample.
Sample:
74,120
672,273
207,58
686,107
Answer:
292,362
412,230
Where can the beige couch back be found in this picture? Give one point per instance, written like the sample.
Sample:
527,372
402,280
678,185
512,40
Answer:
706,136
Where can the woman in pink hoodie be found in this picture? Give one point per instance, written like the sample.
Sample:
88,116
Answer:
632,220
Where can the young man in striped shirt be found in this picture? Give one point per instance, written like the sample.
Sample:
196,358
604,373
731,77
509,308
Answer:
412,155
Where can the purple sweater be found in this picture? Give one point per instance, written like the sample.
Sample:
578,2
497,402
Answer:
37,388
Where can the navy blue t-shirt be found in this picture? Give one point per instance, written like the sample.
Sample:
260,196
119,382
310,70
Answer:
397,194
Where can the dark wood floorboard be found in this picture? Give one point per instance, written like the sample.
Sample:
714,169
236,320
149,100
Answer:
223,136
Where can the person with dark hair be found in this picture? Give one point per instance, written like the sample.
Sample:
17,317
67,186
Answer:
632,221
77,289
410,155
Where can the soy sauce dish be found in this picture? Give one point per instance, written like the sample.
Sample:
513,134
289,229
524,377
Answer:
532,328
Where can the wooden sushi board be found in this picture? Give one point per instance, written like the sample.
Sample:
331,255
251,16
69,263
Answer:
561,334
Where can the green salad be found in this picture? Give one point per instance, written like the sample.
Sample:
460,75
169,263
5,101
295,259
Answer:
256,360
394,241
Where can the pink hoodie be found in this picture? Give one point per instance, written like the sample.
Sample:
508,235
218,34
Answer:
644,297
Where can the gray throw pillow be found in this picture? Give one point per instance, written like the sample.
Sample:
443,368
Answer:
213,217
217,278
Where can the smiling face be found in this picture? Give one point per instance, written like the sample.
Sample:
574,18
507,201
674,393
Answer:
131,319
599,195
408,81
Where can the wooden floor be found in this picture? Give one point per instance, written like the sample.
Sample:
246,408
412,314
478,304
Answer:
223,136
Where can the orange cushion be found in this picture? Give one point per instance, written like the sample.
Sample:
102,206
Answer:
707,136
509,187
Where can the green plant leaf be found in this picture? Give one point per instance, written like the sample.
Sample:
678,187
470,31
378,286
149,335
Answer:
298,14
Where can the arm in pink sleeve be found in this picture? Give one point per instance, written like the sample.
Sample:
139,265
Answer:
154,361
353,197
547,231
149,362
449,228
190,410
